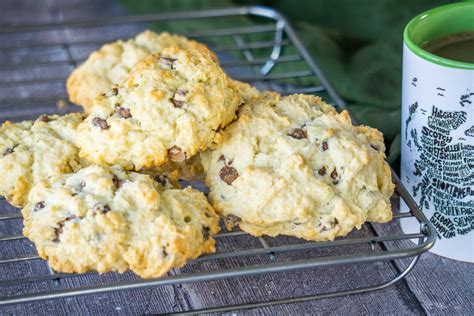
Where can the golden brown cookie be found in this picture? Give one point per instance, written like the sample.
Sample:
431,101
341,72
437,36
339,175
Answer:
168,109
31,151
105,219
294,166
112,63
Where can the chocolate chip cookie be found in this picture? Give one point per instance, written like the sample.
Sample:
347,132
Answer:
294,166
34,150
105,219
112,63
168,109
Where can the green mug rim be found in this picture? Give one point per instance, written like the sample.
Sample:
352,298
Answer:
425,54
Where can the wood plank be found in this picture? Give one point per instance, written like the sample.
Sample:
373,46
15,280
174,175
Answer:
299,283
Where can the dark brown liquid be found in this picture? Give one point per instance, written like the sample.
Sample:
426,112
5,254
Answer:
458,46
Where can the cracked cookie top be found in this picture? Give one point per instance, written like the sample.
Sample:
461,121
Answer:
112,63
168,109
105,219
294,166
34,150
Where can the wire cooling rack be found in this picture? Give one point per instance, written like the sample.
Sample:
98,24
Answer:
261,48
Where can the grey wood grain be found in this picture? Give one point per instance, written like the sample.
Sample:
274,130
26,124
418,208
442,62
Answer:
442,285
307,282
435,286
217,293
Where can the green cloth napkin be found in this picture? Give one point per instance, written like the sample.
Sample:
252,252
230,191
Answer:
357,43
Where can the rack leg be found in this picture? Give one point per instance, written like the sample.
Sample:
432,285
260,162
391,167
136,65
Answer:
52,272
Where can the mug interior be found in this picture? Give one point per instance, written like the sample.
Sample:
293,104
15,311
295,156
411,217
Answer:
437,23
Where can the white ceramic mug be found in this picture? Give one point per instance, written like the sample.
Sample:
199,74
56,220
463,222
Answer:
437,143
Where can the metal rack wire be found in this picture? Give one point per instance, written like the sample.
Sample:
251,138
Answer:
33,84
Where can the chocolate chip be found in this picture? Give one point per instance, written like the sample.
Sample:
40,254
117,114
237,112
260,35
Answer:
205,232
322,171
43,118
58,231
176,154
101,123
178,98
325,145
168,62
39,206
375,147
161,179
222,158
114,91
228,174
231,221
324,228
69,218
103,208
177,103
297,133
163,250
117,181
334,176
10,150
123,112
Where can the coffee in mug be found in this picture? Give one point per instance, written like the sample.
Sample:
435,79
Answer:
457,46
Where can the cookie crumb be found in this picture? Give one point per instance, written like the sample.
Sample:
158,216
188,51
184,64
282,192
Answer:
61,104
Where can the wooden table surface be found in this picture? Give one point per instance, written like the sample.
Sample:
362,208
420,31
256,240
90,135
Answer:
435,286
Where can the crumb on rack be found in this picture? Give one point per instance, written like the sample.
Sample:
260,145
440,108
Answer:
61,104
